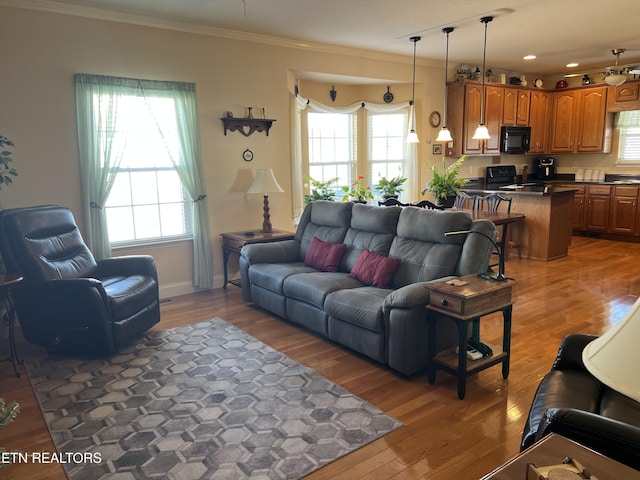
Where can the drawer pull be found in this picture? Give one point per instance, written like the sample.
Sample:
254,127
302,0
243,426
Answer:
444,302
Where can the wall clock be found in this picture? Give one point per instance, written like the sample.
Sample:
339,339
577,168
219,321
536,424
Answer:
247,155
434,119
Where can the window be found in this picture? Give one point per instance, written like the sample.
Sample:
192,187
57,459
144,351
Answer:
629,127
147,201
386,145
332,147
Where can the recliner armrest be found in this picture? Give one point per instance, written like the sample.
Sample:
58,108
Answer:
127,265
570,352
272,252
617,440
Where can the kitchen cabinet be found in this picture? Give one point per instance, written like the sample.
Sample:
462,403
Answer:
624,210
464,112
516,106
624,97
577,212
539,120
579,121
598,198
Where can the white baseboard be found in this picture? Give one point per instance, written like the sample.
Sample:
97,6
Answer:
185,288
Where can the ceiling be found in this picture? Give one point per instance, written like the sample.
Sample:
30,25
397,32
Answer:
557,32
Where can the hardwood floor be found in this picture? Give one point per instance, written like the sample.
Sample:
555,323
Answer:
443,437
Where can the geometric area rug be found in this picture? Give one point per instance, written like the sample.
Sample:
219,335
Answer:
200,401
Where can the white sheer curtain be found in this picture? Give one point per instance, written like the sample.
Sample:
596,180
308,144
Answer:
410,167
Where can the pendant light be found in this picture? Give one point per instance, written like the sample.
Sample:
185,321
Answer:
482,133
412,136
615,77
444,135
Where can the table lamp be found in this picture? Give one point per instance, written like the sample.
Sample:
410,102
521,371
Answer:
265,182
613,357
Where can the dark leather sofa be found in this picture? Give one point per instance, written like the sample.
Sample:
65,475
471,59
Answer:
68,302
573,403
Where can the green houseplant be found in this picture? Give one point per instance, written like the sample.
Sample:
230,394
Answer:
7,172
445,185
319,190
358,191
390,188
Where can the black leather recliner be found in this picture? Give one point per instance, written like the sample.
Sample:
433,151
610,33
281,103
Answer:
68,302
573,403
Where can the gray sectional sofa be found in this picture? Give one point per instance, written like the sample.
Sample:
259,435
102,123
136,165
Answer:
388,324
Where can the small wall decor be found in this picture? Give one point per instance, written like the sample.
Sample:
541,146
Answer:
388,97
246,126
333,93
247,155
434,119
437,149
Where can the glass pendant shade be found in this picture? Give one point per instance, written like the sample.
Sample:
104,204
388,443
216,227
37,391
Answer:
412,137
444,135
481,133
615,79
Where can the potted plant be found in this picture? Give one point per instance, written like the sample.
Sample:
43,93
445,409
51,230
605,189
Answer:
358,191
319,190
446,185
390,188
7,172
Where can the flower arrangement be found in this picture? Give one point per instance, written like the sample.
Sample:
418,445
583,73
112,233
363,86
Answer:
389,188
358,191
446,184
319,190
6,170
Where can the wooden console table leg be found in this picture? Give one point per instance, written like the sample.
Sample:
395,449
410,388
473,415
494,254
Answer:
432,349
506,340
462,358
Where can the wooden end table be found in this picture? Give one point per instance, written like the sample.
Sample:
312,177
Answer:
233,242
552,450
463,304
8,280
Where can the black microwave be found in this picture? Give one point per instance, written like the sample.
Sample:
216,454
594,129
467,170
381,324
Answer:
515,139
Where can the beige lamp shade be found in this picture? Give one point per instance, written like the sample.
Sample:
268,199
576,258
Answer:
265,182
613,358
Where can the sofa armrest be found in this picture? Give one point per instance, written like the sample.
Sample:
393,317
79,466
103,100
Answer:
617,440
570,352
272,252
411,296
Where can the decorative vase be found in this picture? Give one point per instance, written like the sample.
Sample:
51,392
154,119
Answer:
446,202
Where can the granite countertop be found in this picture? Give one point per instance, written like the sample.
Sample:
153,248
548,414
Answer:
536,190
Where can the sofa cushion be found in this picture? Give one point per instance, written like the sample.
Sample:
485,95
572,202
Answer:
271,276
325,256
374,269
359,306
328,221
314,287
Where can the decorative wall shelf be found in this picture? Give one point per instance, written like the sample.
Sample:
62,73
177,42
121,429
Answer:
246,126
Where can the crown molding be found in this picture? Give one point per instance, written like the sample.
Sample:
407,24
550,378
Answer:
51,6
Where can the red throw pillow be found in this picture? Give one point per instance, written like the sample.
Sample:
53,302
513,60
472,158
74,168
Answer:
325,256
374,269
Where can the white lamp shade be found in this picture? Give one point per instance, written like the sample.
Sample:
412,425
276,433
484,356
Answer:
613,358
412,137
265,182
482,133
444,135
615,79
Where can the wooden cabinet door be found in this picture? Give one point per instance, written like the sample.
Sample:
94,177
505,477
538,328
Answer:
510,109
563,113
597,213
624,210
539,121
523,106
472,102
577,214
591,120
494,106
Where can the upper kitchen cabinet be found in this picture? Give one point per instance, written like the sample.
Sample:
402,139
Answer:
539,120
464,112
516,106
579,121
624,97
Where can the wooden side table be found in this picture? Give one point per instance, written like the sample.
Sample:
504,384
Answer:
8,280
552,450
234,241
463,304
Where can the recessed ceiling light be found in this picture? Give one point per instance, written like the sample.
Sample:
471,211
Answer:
529,57
572,65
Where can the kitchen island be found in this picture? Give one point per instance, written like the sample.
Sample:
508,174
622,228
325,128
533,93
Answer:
545,233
